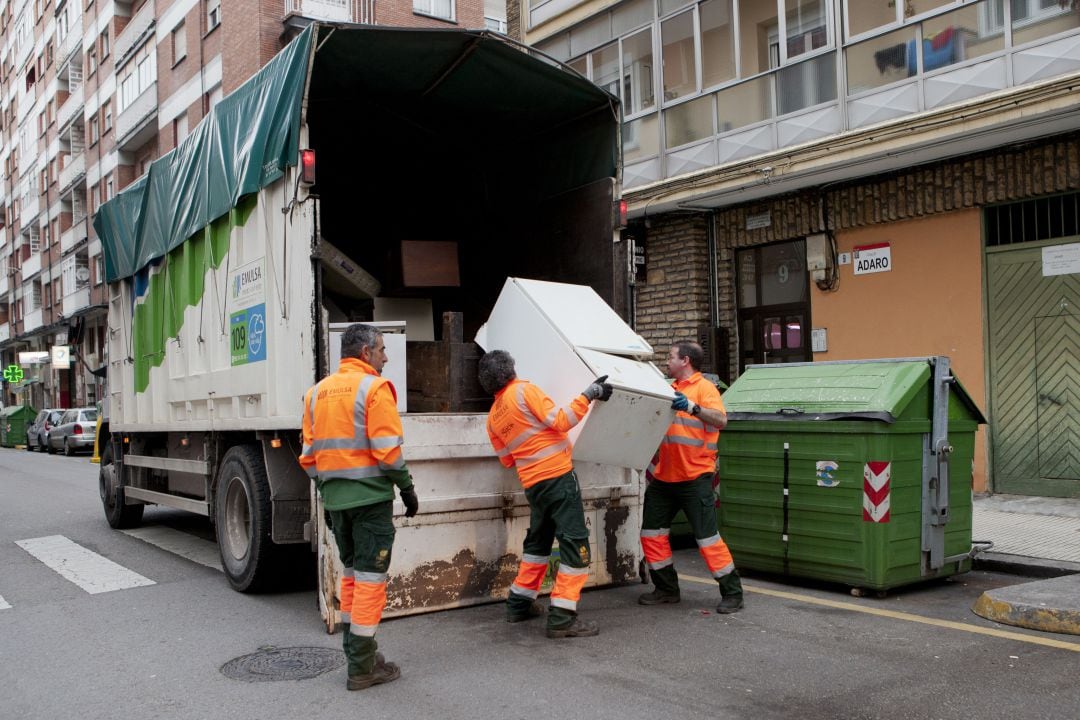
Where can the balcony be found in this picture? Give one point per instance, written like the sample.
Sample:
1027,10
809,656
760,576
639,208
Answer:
137,123
71,237
74,170
71,106
5,332
71,42
30,209
133,33
76,301
5,285
32,321
353,11
31,266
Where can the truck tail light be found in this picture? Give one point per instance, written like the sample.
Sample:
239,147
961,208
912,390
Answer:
307,167
619,214
77,430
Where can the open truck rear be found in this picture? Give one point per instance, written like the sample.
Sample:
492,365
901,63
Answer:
364,174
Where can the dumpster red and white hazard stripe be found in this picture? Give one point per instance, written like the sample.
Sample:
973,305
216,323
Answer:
876,477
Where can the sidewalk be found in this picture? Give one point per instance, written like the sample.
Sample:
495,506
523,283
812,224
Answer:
1037,537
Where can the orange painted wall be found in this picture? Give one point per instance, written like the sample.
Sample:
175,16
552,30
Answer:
930,303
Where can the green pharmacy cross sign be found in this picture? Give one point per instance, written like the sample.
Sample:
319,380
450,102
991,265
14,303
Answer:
13,373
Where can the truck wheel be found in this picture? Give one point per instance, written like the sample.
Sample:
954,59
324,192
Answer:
119,514
243,519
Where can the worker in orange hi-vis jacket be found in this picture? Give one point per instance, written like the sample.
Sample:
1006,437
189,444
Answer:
352,448
681,478
528,433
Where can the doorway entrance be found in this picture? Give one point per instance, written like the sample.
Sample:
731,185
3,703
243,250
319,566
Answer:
774,307
1034,359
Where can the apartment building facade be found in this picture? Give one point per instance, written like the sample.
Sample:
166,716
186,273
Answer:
91,93
848,179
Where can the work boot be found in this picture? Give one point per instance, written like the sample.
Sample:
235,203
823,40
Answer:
730,604
381,672
731,594
579,628
657,597
534,610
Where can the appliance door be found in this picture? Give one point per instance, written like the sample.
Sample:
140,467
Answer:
582,317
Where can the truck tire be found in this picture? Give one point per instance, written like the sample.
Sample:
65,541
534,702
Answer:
119,514
243,520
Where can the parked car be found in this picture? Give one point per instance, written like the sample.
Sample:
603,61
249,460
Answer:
75,431
37,435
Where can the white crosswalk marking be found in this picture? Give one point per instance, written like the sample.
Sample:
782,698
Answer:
90,571
180,543
3,603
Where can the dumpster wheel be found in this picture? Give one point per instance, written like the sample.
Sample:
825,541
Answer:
867,592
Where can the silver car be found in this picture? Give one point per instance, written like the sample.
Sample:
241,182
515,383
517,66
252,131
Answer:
37,435
74,432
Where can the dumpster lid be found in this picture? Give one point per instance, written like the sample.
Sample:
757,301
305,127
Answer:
860,389
14,409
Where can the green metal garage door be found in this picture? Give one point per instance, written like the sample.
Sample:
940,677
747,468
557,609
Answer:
1034,356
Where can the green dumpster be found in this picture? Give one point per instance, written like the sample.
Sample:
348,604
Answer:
14,420
853,472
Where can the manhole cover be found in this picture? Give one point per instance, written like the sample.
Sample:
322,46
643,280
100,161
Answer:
296,663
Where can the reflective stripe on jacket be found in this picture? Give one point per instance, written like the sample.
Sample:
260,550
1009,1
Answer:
688,450
528,432
352,429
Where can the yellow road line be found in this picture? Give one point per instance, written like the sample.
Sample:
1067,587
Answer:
896,615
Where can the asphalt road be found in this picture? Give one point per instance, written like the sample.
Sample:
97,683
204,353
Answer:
798,650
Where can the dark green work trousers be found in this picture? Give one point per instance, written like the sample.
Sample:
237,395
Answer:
365,540
556,511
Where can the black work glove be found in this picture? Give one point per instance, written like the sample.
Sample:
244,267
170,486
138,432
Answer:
412,503
598,389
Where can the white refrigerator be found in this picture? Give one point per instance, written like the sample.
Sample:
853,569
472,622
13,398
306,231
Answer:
562,337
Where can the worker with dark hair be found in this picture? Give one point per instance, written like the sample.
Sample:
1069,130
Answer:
681,478
528,433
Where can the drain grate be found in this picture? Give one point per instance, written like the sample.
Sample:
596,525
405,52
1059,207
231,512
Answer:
271,663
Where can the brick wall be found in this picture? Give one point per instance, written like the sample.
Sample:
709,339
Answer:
513,19
674,300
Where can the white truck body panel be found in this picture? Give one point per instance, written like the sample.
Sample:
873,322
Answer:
464,546
199,385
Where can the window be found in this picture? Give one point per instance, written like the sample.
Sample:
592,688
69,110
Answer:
31,78
106,115
94,134
99,269
680,65
49,52
105,43
637,73
95,198
213,14
137,76
1031,19
495,15
180,128
436,8
717,42
213,98
179,43
91,60
109,188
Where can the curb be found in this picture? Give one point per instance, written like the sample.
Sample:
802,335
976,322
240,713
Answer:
1023,565
1003,607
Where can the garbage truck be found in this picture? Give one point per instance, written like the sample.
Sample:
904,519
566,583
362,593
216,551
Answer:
384,175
